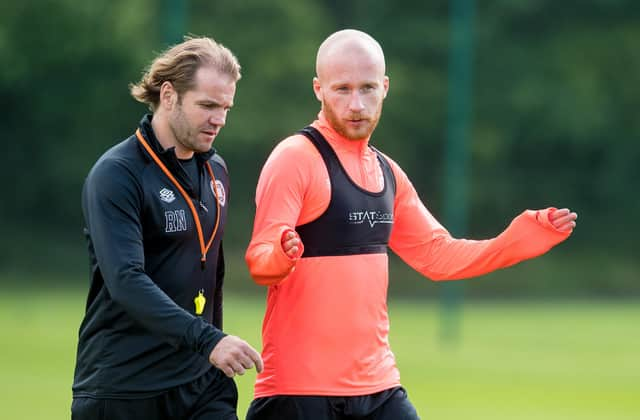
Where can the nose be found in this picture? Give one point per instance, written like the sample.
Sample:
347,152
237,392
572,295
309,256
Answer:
355,103
218,117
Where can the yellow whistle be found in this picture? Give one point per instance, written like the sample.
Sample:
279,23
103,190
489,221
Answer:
200,300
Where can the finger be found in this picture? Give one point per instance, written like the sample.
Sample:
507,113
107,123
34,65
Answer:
237,367
288,236
246,361
561,221
228,370
567,226
244,355
558,213
289,245
257,360
565,219
563,227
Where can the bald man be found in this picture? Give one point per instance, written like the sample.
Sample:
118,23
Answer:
329,205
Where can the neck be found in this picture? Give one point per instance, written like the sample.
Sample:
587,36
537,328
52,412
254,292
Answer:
166,137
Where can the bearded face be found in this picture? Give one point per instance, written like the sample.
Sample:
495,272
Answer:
351,86
200,113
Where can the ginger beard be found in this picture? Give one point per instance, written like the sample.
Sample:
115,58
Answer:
353,126
351,85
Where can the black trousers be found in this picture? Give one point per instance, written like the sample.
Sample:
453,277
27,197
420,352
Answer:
392,404
213,396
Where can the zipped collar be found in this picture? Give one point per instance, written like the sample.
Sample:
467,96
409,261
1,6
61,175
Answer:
168,156
204,246
150,136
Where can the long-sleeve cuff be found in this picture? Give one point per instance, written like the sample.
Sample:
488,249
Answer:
202,337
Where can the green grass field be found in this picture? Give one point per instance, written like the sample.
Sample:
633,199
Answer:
519,360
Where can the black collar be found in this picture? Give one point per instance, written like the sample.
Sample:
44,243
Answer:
168,156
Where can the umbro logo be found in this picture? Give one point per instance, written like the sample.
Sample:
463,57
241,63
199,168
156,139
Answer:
167,195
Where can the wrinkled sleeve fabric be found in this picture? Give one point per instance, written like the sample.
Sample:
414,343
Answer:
281,191
112,206
425,245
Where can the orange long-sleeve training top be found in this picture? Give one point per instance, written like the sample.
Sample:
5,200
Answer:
325,330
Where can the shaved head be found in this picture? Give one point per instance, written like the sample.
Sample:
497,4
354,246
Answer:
347,42
351,83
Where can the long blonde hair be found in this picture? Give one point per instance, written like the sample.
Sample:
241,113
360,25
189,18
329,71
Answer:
178,65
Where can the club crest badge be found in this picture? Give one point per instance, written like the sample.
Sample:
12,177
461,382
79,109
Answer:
219,192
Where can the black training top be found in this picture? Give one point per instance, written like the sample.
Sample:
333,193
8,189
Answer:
141,332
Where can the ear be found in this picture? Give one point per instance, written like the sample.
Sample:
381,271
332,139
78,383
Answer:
317,89
168,95
385,86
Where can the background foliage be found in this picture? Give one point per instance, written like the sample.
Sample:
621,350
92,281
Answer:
555,103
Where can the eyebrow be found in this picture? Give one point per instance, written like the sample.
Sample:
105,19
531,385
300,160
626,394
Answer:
212,102
365,83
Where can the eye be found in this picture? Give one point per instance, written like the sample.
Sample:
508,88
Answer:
212,106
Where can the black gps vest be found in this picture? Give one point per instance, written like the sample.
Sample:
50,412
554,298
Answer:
356,221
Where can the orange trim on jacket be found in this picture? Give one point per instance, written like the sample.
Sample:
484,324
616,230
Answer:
325,330
204,247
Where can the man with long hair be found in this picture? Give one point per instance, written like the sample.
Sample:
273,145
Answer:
151,345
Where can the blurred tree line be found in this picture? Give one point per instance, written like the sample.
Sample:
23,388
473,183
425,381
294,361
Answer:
556,94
